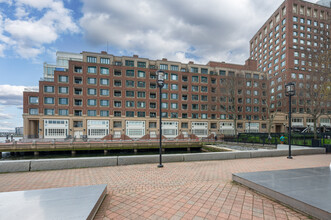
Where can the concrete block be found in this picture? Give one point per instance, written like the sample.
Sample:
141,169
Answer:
14,166
209,156
172,158
127,160
268,153
69,163
242,154
308,150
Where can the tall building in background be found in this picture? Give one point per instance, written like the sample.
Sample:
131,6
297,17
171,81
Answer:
288,48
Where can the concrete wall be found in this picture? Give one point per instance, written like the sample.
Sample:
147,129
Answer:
70,163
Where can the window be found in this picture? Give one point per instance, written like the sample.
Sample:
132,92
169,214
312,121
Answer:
164,105
141,84
78,80
142,64
174,87
78,69
78,112
48,111
152,105
129,113
104,102
174,68
117,104
63,101
174,96
33,100
49,89
141,94
117,73
141,104
204,71
63,90
91,91
104,81
204,79
63,111
164,66
104,71
174,105
141,114
129,63
195,88
129,93
130,73
104,113
204,89
33,111
129,83
92,69
91,81
194,70
49,100
104,92
195,78
222,72
92,102
63,79
174,76
104,60
91,113
91,59
141,74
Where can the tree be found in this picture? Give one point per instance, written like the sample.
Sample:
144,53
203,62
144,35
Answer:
228,94
316,93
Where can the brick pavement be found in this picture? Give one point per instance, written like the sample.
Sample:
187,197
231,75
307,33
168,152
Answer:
187,190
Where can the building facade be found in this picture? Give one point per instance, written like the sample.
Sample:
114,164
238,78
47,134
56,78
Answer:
118,96
288,48
95,95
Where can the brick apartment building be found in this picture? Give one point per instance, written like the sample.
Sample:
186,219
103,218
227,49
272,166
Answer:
108,95
285,48
98,94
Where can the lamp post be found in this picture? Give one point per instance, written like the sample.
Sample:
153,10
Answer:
289,91
160,84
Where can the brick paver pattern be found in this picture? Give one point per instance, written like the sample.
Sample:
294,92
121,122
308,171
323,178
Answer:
186,190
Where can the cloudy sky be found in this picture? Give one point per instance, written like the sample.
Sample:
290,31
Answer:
31,31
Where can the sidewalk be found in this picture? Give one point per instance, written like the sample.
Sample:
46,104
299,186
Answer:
187,190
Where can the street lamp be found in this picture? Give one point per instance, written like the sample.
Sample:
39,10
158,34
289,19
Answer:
289,91
160,84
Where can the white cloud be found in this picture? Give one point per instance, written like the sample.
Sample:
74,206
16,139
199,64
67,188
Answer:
31,31
12,95
199,30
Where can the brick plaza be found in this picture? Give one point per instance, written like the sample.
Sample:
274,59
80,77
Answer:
188,190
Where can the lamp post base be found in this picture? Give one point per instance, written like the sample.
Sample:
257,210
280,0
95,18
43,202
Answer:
289,157
160,166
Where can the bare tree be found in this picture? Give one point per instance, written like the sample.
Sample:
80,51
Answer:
316,92
229,94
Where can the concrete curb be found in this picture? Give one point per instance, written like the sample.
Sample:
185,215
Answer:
14,166
70,163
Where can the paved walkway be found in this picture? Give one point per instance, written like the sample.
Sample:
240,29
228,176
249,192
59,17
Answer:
190,190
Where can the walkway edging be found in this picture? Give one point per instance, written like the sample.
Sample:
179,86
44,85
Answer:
72,163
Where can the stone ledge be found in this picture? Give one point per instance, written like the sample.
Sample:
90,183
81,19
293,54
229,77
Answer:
14,166
70,163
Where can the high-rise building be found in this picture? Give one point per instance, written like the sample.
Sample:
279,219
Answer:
288,47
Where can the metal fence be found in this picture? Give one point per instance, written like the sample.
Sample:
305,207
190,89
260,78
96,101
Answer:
301,139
